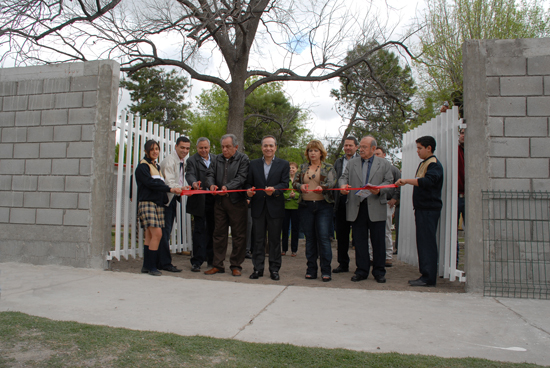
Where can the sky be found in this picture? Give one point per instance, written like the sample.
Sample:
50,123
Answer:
315,97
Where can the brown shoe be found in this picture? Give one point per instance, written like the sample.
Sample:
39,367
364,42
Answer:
213,271
236,272
388,263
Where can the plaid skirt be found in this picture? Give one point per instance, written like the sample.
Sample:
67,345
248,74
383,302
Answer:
150,214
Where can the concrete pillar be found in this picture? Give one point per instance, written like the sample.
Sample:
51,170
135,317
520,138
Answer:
56,162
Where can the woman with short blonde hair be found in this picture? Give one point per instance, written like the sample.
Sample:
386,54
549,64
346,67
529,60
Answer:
315,208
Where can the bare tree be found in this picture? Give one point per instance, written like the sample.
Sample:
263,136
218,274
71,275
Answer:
179,33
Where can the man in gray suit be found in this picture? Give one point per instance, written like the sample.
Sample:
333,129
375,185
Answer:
368,211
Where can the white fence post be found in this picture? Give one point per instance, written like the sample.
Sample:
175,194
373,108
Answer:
134,132
444,128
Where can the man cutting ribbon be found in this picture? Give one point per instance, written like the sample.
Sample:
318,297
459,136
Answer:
367,208
228,171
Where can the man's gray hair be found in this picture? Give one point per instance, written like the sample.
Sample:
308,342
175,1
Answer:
233,138
373,142
269,136
202,139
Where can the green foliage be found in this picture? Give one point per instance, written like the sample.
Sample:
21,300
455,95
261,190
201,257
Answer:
267,112
34,341
446,24
429,108
210,120
157,96
376,97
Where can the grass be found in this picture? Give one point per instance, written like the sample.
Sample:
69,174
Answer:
38,342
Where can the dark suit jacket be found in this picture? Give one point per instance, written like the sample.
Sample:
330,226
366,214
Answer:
278,178
396,193
339,167
196,171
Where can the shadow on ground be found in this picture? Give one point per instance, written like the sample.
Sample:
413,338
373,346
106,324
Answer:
293,271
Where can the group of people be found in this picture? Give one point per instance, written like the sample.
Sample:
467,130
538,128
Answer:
356,191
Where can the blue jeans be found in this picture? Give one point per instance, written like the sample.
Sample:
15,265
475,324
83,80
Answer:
315,220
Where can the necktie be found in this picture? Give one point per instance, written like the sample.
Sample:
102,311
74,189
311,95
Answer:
368,172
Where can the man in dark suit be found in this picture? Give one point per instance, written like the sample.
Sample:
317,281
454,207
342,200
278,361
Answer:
393,201
201,206
268,207
368,211
343,227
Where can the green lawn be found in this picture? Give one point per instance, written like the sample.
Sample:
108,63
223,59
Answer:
27,341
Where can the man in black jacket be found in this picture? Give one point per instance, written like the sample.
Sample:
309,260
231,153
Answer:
201,206
268,207
228,171
343,226
393,201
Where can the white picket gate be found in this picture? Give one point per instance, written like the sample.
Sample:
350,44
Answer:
444,128
134,132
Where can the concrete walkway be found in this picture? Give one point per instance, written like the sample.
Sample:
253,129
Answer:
447,325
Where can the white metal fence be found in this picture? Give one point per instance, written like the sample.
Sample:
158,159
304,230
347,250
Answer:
132,133
444,128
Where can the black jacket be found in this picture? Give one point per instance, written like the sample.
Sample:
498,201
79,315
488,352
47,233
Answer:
196,171
278,178
339,167
427,195
149,188
237,173
396,193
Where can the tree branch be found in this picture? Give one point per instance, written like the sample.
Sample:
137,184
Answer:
289,75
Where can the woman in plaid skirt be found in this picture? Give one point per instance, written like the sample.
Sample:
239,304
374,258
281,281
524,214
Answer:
152,196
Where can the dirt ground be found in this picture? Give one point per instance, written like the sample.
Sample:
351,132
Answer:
293,271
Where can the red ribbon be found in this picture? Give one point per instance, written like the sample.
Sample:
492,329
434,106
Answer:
201,191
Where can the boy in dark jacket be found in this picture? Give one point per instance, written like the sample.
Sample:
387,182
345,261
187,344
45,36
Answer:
427,209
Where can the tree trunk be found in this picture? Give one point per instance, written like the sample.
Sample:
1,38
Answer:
235,116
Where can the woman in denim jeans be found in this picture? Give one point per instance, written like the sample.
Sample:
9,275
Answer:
315,208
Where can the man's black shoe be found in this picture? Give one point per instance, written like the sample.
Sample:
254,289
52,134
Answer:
195,268
256,275
380,279
248,255
340,269
275,276
419,283
171,268
356,278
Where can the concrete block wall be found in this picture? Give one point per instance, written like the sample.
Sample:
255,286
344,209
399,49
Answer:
56,163
507,112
